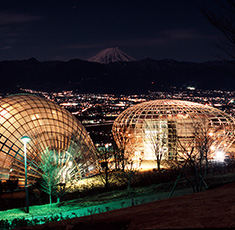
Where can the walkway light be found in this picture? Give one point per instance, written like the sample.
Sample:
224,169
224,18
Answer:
25,140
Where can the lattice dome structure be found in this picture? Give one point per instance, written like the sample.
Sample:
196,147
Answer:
50,128
173,129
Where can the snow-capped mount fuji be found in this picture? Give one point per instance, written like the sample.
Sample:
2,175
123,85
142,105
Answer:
111,55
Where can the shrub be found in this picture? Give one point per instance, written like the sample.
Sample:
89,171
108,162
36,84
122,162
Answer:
4,224
17,222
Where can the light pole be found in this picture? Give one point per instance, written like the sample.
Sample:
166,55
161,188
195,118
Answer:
25,140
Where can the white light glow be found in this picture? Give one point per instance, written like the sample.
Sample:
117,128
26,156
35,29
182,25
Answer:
212,147
219,156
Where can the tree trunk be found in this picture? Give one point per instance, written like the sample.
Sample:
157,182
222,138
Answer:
158,165
50,196
206,168
129,181
106,177
159,157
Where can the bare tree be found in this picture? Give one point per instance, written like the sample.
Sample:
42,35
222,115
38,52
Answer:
221,14
204,138
50,173
196,151
127,172
192,161
124,150
156,138
124,158
104,155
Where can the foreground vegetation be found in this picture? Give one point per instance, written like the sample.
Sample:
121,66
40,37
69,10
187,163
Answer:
91,194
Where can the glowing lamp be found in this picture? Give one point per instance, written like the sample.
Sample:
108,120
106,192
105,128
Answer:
219,156
25,139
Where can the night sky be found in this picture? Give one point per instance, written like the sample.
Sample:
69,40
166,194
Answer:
67,29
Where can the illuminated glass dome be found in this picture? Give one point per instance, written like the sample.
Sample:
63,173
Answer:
50,128
172,128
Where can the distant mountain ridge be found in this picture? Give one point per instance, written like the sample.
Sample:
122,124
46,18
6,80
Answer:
111,55
117,77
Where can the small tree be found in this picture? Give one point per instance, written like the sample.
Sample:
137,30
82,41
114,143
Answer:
103,155
204,138
192,161
124,157
156,138
122,152
125,153
50,173
195,151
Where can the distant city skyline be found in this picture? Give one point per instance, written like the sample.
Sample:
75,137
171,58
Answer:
64,30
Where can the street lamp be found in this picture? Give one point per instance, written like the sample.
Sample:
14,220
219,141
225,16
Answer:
25,140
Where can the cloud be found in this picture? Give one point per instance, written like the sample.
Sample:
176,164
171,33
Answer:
81,46
183,34
12,26
166,37
9,32
11,17
6,47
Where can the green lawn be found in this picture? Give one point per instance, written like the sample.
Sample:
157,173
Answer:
56,209
43,210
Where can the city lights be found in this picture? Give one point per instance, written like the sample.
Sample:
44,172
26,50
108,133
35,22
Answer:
164,123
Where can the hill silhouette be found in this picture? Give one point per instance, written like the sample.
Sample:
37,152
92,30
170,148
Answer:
117,77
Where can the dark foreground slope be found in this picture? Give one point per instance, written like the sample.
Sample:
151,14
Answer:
209,209
118,77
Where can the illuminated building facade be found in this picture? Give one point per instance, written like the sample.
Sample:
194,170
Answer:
173,129
50,128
